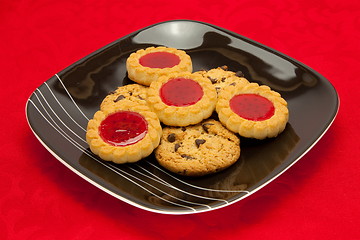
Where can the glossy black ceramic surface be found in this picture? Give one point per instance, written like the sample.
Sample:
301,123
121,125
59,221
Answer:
58,112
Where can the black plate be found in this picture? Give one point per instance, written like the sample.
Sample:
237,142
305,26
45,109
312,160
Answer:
58,112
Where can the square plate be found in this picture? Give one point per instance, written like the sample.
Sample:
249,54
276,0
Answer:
59,109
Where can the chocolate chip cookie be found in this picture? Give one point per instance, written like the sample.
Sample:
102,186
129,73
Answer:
133,92
198,150
221,77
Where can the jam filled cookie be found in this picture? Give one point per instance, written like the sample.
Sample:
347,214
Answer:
197,150
182,99
222,77
125,134
147,65
253,111
133,92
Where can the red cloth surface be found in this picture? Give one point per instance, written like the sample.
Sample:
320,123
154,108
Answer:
317,198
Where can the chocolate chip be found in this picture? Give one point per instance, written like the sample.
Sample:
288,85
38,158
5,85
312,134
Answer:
232,84
239,74
186,156
198,142
223,79
130,93
213,80
205,126
171,137
176,147
119,98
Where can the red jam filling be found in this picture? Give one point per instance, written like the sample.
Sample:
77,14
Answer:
123,128
159,60
252,107
181,92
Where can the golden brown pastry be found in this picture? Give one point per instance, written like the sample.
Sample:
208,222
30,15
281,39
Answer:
182,99
125,134
147,65
253,111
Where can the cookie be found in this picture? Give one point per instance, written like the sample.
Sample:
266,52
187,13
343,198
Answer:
182,99
222,77
198,150
133,92
252,111
147,65
125,133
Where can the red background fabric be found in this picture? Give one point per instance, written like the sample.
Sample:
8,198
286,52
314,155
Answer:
40,198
